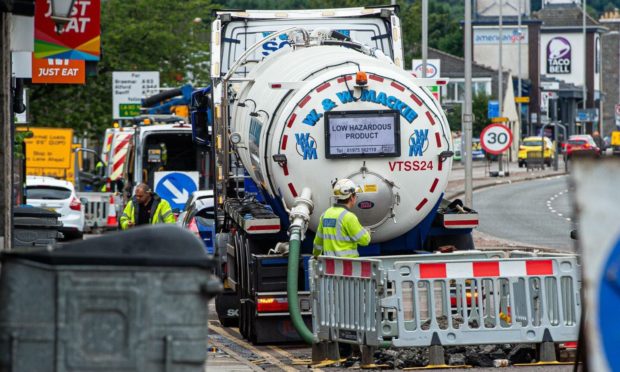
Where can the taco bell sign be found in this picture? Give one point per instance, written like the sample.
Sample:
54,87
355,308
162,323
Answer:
558,56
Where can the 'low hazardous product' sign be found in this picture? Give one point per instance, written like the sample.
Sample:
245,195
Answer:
362,133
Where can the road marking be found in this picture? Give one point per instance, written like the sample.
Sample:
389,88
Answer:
553,210
268,357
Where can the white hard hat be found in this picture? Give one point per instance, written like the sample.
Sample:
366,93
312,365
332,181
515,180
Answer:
344,188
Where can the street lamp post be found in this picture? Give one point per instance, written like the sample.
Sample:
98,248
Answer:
519,87
424,36
467,110
585,54
500,83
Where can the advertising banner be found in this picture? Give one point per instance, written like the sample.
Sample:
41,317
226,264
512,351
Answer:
490,35
78,39
58,71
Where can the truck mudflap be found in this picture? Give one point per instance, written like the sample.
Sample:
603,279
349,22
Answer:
450,299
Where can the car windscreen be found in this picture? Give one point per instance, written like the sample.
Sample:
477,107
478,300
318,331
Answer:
240,34
577,142
47,192
207,213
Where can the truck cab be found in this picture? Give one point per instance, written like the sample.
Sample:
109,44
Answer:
161,147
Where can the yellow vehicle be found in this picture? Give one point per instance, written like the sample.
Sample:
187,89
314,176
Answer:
615,142
534,144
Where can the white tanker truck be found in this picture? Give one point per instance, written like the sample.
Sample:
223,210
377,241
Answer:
331,102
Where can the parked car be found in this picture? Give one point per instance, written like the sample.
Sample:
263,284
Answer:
582,144
457,149
199,218
196,195
534,144
58,196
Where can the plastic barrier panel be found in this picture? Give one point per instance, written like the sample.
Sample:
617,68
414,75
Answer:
345,303
96,209
470,302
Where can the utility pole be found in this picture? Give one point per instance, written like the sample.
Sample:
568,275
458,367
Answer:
585,54
424,36
6,147
467,110
519,87
500,83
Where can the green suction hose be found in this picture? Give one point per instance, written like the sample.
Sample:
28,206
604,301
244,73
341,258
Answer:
292,280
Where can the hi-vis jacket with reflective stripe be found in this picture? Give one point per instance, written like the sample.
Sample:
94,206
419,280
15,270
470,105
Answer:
339,233
160,212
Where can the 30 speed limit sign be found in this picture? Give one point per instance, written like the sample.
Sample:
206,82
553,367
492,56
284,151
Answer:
496,138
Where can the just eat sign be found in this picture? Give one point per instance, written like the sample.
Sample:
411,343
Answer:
78,39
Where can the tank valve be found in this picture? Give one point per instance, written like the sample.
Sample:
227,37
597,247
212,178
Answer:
301,211
280,159
445,154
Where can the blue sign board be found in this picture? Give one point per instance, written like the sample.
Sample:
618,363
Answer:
609,302
586,115
493,110
176,187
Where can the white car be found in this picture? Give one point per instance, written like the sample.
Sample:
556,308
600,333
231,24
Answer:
196,195
58,196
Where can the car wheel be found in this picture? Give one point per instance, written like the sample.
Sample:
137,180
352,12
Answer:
73,235
521,163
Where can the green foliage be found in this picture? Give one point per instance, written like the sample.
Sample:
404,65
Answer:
143,35
18,149
480,104
480,107
454,113
140,35
444,31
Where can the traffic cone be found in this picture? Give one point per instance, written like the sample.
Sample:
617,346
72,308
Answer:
112,221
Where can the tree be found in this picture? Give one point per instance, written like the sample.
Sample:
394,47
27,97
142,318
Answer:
480,107
140,35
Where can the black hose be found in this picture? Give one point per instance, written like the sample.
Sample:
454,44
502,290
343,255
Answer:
159,97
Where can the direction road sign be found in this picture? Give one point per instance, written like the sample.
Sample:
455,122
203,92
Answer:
176,187
524,99
495,138
128,89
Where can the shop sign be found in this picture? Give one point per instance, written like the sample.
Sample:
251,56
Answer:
558,56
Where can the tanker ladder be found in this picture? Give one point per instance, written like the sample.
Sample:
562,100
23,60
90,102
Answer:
454,299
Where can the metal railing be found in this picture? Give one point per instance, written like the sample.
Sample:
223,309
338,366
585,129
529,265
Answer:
345,303
447,299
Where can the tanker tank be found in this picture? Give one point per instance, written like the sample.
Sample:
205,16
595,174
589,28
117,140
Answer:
305,117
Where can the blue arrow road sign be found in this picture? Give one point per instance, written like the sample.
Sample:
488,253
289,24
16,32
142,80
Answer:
176,187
